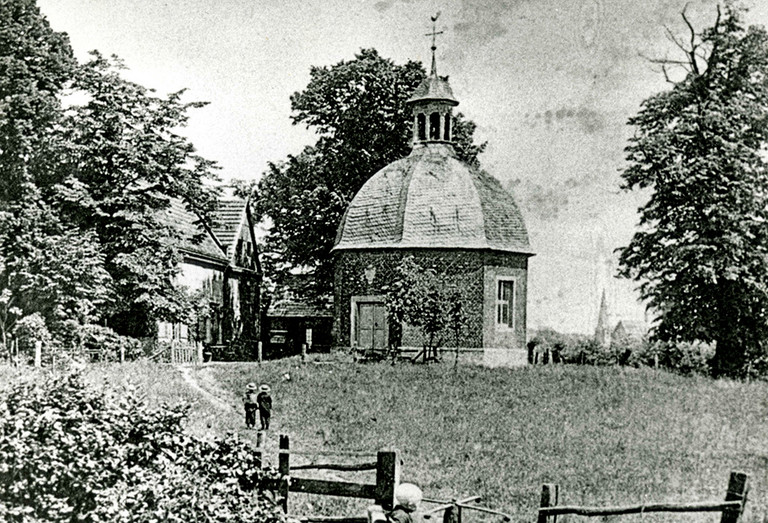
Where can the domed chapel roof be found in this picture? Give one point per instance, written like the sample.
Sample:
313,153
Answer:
431,199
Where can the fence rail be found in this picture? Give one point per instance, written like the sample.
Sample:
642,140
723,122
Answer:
731,508
382,491
641,509
387,467
330,466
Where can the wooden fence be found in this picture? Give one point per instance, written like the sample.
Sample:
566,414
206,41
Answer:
186,352
387,467
731,508
381,492
177,351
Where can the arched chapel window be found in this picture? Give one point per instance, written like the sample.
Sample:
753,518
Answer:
434,126
421,124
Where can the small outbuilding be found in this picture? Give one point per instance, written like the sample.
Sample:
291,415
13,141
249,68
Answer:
291,323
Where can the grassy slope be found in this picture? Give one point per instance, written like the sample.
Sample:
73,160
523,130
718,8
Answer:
604,435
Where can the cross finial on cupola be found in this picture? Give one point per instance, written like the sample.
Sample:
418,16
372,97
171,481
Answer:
433,34
432,102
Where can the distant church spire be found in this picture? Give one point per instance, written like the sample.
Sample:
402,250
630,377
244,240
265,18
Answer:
603,330
432,103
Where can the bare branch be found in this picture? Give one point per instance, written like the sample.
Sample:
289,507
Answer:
671,36
692,51
713,54
666,74
667,61
664,63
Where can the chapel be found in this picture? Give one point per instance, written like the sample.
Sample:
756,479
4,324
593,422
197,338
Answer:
446,215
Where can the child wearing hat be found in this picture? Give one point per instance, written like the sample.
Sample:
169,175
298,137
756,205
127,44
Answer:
264,401
407,499
251,401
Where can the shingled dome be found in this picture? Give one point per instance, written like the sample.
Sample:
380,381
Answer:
431,199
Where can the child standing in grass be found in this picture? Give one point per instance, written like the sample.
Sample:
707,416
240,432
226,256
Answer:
407,499
264,401
251,401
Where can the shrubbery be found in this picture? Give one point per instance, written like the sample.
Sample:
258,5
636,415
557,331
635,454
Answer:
69,452
71,339
683,358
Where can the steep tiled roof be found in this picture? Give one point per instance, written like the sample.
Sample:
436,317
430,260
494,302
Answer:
431,199
229,217
629,328
194,238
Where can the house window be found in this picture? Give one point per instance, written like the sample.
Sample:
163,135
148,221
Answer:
505,304
447,131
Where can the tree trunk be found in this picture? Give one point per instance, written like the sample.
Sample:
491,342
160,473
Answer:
729,359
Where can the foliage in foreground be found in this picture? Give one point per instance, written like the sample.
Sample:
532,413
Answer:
702,250
70,452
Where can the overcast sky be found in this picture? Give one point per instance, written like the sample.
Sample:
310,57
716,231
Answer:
550,84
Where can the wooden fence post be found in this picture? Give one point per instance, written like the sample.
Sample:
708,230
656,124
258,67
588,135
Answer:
303,352
548,499
738,487
387,478
259,349
284,468
38,353
260,448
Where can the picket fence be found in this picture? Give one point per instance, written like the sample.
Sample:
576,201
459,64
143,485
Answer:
178,352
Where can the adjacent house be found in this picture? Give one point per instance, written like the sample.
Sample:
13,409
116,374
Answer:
221,268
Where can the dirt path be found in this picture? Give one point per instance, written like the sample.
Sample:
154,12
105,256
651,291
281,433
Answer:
229,415
214,398
201,380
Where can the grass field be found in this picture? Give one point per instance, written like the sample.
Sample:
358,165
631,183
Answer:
605,435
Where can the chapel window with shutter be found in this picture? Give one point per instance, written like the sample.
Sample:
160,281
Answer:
505,304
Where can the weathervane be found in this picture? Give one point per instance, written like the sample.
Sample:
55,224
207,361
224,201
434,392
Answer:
433,34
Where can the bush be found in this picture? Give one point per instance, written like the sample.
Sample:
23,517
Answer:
685,357
562,348
94,341
71,453
29,330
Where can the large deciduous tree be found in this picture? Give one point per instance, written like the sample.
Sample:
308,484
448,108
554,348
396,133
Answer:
85,187
123,160
701,253
358,108
35,64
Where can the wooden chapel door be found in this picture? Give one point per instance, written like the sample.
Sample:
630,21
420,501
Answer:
371,326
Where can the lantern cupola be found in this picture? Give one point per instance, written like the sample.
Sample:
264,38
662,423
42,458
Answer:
432,103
